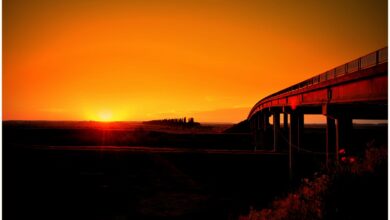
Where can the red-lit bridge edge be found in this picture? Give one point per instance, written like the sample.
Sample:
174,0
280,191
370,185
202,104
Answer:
355,90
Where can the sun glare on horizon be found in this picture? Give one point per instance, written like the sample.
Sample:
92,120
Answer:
113,114
105,116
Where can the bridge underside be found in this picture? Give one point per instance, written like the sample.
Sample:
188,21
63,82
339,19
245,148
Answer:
339,119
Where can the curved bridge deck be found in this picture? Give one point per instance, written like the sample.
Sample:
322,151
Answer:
355,90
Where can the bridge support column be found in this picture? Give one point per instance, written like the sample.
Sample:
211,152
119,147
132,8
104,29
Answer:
285,123
253,124
292,141
256,130
266,130
295,136
300,129
260,128
283,145
294,130
330,138
266,121
343,134
276,122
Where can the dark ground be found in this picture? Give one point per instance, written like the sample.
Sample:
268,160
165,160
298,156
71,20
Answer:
42,182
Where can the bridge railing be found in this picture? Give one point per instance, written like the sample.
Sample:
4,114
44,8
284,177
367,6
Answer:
375,58
370,60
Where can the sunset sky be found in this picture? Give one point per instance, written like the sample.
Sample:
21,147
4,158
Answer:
141,60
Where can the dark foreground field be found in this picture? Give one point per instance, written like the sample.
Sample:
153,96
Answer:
55,173
109,184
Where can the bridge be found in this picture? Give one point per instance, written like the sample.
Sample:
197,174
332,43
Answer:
355,90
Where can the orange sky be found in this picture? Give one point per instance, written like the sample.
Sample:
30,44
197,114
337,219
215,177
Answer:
141,60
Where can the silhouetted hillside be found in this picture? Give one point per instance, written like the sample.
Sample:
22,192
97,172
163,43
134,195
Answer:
242,127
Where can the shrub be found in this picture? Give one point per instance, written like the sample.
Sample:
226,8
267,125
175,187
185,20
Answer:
308,201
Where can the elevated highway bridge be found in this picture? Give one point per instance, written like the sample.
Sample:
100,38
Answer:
355,90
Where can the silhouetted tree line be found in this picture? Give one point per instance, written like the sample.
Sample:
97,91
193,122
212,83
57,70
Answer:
175,122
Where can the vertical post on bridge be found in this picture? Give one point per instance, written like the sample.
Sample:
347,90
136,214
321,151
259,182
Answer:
254,129
266,129
285,122
285,130
276,122
291,141
266,124
300,129
338,131
330,138
259,129
257,123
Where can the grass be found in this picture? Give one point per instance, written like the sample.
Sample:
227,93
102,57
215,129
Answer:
356,188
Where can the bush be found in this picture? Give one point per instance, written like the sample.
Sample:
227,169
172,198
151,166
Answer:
308,201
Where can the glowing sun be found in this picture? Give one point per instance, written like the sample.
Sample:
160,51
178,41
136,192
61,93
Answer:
105,116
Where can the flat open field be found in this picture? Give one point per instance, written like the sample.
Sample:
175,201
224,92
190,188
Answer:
123,184
138,172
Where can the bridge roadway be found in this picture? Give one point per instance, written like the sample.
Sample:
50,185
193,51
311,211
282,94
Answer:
355,90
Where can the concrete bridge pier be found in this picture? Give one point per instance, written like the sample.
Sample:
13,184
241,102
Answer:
266,123
291,142
267,132
285,123
276,128
295,136
296,129
253,127
263,132
301,127
256,128
259,129
338,130
330,138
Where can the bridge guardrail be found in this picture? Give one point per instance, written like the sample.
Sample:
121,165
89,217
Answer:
372,59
